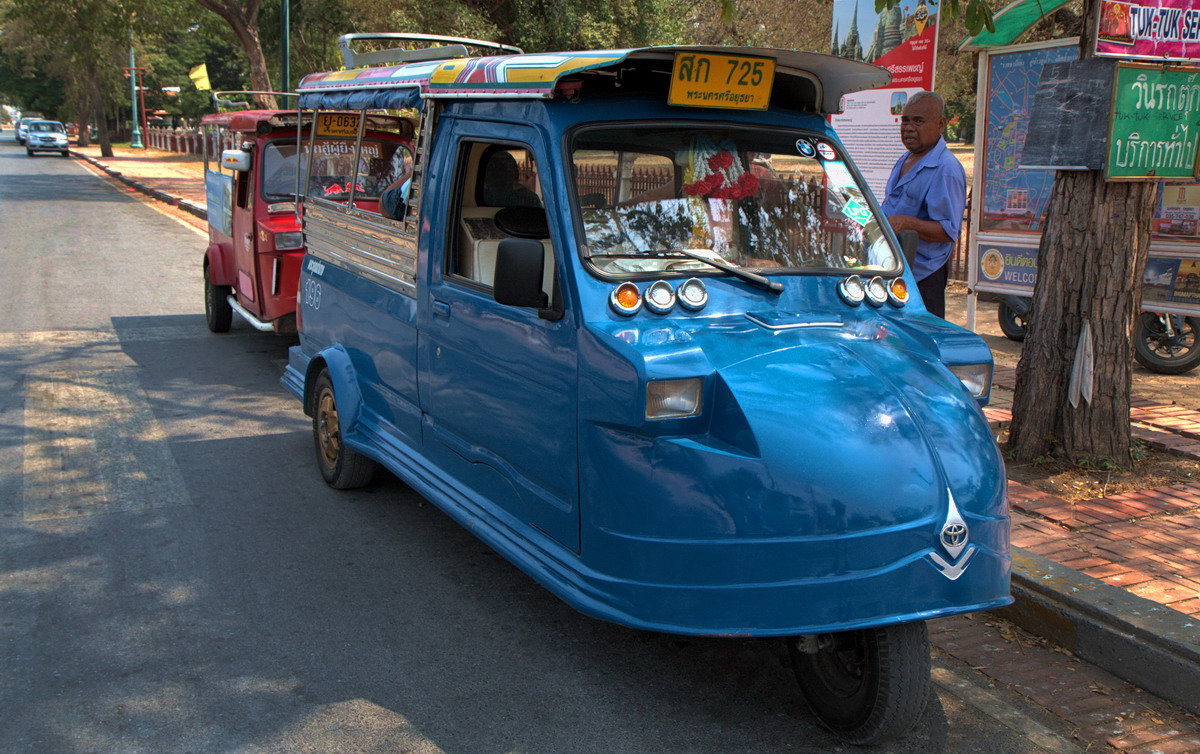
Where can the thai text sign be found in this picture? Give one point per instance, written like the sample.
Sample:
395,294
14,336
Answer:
1158,29
1155,123
705,80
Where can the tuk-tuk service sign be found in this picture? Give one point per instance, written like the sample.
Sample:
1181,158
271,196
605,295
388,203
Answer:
1155,123
1162,30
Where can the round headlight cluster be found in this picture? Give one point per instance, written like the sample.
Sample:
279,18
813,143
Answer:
659,297
876,291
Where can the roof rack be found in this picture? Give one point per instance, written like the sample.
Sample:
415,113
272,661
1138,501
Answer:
449,47
220,99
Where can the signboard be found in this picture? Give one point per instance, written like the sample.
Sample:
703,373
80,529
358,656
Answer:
218,199
1155,123
726,81
337,124
902,39
1009,267
1162,30
1013,200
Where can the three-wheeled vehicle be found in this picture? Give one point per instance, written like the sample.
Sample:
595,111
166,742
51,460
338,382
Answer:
252,263
644,331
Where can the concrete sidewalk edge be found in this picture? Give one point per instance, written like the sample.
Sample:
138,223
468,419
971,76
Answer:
161,196
1141,641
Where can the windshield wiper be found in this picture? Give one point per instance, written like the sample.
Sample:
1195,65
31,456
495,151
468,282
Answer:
749,277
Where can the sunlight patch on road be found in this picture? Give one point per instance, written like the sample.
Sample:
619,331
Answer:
93,446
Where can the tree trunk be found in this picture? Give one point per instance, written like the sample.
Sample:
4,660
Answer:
243,19
1090,265
101,116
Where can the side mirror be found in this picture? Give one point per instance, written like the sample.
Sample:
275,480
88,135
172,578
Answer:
519,265
908,244
235,159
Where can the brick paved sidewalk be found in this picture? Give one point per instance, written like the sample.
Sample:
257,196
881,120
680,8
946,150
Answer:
1146,542
177,174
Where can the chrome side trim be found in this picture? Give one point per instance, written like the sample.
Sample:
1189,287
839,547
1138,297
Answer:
254,321
362,242
795,325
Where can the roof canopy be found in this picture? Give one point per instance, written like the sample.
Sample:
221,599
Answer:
1011,22
815,81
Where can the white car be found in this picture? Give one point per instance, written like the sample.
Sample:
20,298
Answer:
23,126
46,136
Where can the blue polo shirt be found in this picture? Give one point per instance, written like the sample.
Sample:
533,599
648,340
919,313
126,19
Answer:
933,189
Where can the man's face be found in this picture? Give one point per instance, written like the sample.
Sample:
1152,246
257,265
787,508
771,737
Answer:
921,125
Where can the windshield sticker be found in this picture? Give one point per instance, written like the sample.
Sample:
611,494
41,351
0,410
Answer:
805,148
838,175
826,151
857,212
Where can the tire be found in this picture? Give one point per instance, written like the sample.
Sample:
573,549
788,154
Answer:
342,468
1013,326
218,314
28,152
1167,354
66,153
867,686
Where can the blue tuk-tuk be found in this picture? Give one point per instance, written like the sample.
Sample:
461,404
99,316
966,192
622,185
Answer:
639,325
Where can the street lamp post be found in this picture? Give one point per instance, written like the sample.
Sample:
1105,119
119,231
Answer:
285,73
133,91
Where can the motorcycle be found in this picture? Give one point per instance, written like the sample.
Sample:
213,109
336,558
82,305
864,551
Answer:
1163,343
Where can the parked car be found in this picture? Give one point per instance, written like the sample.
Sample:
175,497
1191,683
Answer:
23,126
650,337
46,136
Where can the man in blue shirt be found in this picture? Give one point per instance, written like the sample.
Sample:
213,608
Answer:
927,192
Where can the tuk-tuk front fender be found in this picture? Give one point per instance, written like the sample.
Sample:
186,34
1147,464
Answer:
218,261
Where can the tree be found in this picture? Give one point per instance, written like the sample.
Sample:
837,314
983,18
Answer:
1090,265
242,17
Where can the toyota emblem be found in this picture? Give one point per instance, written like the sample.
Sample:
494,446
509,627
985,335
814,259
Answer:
954,534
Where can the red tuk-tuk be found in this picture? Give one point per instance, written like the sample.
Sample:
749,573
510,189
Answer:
252,263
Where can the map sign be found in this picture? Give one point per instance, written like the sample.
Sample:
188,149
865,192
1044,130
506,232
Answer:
1014,199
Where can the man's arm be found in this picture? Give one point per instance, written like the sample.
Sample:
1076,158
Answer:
928,230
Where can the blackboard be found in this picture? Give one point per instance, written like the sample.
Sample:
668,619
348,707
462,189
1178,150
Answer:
1068,127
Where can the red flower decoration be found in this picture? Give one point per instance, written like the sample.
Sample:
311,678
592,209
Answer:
720,160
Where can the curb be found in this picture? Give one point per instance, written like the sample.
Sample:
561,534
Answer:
188,206
1148,644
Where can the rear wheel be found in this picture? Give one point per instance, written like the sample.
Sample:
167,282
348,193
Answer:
869,685
28,152
342,468
1173,352
66,153
218,314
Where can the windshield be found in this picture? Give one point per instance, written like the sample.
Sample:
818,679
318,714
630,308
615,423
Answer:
45,126
776,201
333,170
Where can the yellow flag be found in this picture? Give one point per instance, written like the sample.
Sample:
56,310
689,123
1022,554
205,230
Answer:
199,76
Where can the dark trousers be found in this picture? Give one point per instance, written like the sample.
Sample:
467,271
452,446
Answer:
933,290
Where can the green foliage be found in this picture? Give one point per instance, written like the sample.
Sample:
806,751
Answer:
541,25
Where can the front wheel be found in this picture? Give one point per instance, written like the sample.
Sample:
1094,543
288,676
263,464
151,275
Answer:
28,152
218,314
1172,351
869,685
1014,326
341,467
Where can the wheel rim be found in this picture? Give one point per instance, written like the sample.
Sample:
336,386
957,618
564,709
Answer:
328,437
841,667
1171,346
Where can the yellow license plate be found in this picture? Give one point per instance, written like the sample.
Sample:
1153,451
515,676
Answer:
337,124
707,80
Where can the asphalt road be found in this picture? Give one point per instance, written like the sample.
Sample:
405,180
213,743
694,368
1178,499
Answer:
174,575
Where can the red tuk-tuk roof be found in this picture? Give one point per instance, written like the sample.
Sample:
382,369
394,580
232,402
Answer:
247,120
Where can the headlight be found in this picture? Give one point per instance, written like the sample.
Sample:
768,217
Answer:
976,377
291,240
852,290
659,297
877,292
692,294
673,399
